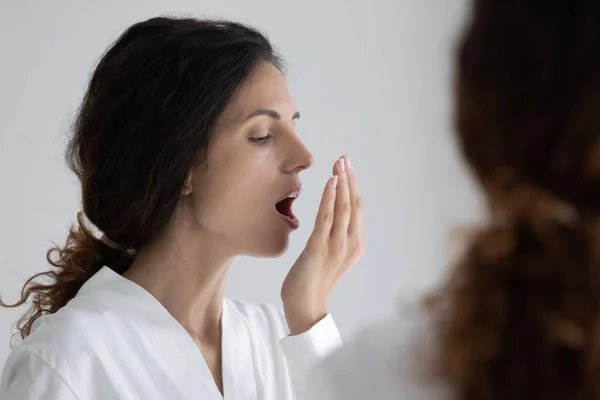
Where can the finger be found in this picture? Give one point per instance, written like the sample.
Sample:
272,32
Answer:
342,204
355,227
326,213
337,167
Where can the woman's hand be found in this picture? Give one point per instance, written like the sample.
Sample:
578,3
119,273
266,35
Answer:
335,244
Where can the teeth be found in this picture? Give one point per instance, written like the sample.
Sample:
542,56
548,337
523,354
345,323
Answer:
293,195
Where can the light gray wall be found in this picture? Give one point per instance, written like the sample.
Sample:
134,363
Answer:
372,79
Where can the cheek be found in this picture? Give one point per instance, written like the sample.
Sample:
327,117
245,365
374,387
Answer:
253,185
235,196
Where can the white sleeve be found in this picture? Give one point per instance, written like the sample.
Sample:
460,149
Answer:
303,352
27,377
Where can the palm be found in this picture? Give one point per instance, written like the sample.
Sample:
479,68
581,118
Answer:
335,244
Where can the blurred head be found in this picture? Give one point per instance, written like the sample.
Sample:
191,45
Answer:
519,315
186,125
528,89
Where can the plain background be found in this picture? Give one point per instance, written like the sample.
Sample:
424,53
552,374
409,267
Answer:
372,79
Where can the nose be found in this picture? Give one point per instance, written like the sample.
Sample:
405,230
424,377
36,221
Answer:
299,158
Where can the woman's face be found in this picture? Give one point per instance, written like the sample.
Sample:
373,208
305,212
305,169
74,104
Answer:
253,163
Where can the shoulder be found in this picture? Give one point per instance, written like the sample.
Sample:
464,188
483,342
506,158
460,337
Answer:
76,332
27,376
390,357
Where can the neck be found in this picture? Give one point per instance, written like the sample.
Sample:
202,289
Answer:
187,276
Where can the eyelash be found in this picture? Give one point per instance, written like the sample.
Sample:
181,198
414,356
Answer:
261,140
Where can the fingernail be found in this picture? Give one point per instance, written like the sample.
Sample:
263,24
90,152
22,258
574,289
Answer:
342,164
333,181
348,163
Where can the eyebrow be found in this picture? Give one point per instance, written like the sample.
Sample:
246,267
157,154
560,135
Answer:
270,113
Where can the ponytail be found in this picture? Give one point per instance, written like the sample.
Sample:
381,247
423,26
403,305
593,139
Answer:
520,315
82,256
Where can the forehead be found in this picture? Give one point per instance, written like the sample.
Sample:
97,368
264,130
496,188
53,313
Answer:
265,88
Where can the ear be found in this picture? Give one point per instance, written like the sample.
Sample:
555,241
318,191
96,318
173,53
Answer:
188,187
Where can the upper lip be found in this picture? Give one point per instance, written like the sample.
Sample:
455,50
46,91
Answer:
294,192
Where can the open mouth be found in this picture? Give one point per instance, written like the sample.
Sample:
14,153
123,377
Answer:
284,208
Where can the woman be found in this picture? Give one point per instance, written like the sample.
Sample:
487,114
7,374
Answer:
186,150
519,317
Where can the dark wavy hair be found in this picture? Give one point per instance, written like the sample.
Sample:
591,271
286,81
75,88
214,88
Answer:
145,121
519,317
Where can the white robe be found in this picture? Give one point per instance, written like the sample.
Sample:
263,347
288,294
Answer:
115,341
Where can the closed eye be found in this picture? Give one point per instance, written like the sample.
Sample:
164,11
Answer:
260,140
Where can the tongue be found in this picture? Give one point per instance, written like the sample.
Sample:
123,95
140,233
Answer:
284,207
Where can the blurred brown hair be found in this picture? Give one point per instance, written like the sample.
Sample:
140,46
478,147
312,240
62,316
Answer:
519,317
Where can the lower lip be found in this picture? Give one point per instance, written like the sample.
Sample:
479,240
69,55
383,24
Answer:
292,223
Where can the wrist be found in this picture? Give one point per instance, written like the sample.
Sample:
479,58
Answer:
302,317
